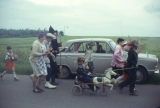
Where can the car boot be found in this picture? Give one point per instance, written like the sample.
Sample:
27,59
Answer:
48,85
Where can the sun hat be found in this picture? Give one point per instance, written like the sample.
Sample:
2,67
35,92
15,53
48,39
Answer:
135,43
51,35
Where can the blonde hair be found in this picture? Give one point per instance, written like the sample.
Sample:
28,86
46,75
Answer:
79,59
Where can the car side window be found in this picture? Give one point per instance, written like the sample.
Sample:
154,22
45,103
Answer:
76,47
81,48
100,47
71,48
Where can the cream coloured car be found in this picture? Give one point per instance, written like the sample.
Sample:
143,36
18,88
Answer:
76,47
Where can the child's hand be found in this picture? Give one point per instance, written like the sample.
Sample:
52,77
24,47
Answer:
89,73
83,65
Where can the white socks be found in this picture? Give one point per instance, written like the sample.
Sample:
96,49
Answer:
14,74
3,73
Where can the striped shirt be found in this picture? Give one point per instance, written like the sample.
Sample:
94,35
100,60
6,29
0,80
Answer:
8,56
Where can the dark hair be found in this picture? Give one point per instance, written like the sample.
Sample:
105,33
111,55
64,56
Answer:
9,47
100,46
120,40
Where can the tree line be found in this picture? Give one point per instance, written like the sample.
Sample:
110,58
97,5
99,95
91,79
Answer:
6,33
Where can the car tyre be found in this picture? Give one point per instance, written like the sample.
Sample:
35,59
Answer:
65,72
141,75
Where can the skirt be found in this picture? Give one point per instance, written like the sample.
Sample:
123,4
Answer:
9,64
37,71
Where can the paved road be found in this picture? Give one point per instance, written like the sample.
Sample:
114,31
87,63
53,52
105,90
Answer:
19,95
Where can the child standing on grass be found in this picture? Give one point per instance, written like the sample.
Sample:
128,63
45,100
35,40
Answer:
9,63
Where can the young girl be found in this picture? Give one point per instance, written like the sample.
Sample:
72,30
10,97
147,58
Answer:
9,63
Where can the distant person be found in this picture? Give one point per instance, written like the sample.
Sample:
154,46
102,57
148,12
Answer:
100,49
9,63
38,51
117,60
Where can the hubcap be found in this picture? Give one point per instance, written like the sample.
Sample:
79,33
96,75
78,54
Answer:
139,75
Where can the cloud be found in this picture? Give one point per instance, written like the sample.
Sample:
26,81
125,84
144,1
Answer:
84,17
153,7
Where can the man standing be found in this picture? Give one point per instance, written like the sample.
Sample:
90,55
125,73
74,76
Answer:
47,58
55,51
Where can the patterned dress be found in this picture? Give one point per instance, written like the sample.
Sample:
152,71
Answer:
39,68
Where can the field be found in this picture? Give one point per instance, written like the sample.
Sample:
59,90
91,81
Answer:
21,47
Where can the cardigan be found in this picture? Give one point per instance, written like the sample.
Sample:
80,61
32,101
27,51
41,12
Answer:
117,57
35,51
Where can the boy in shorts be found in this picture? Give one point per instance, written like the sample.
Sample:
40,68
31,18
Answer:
9,63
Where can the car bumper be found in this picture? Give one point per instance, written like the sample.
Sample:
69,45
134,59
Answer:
156,71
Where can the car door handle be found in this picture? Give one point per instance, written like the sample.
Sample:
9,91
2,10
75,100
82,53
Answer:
68,56
94,57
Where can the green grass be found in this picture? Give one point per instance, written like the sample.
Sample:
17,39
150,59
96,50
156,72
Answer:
21,47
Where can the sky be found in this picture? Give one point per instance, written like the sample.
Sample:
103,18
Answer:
84,17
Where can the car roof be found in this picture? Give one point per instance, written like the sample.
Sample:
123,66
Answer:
89,39
69,42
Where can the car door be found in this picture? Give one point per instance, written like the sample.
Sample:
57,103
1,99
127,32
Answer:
102,61
76,50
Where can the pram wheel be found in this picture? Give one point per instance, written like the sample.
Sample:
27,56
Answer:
103,91
76,90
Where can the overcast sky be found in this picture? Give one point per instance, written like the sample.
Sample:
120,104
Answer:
84,17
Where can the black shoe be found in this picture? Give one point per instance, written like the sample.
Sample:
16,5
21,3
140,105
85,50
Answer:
40,89
54,83
2,77
97,88
133,94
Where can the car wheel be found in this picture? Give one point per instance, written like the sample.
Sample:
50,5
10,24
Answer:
141,75
65,72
